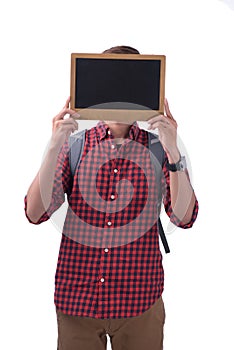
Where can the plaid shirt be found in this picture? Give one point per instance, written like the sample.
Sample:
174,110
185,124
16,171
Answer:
103,273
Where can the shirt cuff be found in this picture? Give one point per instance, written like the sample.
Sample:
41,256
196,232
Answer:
43,218
176,221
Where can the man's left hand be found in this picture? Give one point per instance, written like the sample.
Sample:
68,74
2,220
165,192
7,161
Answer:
167,132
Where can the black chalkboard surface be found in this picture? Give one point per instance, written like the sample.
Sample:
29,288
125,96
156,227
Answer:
117,86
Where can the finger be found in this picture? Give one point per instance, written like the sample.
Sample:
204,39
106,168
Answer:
158,125
160,117
72,113
75,116
167,109
65,125
67,102
66,121
65,111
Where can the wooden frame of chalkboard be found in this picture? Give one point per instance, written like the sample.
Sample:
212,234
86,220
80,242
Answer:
121,87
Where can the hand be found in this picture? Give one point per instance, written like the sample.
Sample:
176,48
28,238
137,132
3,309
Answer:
62,128
167,132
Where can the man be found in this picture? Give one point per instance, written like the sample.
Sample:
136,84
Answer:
115,289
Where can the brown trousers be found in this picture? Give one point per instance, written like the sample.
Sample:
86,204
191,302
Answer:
143,332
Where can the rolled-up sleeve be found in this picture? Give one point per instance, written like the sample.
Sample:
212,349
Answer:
62,183
167,201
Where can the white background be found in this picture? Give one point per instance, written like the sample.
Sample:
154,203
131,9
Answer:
37,39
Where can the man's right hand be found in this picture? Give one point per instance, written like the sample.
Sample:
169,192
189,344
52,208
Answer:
62,128
39,194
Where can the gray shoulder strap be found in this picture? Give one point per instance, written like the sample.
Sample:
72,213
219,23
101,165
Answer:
76,146
157,156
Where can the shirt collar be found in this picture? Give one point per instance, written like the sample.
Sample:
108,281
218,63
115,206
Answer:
102,129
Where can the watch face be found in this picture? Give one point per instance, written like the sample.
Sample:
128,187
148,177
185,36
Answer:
182,164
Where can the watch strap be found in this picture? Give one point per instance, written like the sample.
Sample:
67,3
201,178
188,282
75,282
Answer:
179,166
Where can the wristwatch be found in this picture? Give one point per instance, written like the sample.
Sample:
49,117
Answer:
179,166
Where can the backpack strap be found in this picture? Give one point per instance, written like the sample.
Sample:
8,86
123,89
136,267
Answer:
76,146
157,156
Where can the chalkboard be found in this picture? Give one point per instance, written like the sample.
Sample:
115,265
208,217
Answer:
117,86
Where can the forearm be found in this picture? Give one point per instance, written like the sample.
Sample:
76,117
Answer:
39,194
182,194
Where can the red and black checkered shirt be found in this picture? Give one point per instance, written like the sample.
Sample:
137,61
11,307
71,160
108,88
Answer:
107,266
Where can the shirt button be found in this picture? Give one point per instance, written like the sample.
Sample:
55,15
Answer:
115,170
112,196
109,223
106,250
102,279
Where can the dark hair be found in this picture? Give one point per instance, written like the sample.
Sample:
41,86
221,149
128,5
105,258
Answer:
122,49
